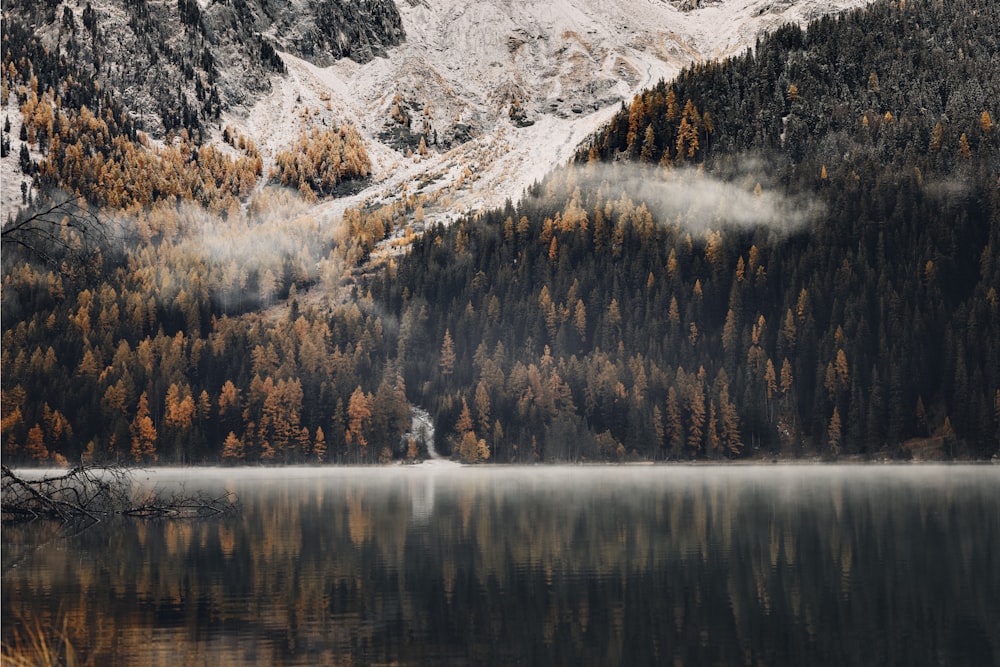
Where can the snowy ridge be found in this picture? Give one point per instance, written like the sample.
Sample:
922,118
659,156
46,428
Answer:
568,63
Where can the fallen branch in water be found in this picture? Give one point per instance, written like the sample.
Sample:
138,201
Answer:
90,493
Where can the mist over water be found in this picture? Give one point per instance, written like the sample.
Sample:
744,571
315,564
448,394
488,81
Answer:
443,565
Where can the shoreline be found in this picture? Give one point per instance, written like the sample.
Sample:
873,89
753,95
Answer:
448,464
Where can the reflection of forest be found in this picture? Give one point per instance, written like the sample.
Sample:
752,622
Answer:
595,565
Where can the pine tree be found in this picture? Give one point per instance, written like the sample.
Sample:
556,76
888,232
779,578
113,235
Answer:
359,414
35,444
232,448
447,363
834,433
143,433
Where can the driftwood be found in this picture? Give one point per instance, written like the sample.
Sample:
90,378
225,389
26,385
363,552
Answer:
91,493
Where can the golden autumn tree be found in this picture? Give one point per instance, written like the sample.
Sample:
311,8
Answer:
35,444
648,152
786,378
483,407
673,425
447,363
10,419
143,432
464,423
671,103
688,132
359,414
937,137
696,417
728,417
712,438
179,412
319,445
963,147
279,426
834,432
229,399
232,448
471,448
580,320
637,111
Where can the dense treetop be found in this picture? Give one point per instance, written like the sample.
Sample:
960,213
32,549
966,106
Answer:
793,252
627,310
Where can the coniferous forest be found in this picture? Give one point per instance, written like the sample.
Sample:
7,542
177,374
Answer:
795,252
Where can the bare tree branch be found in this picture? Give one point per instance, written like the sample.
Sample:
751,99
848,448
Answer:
90,493
67,224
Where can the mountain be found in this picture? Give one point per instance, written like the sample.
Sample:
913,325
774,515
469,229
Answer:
509,89
787,252
178,64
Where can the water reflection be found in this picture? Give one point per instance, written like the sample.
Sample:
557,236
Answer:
629,565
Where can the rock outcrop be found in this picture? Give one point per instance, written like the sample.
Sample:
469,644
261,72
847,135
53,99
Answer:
178,63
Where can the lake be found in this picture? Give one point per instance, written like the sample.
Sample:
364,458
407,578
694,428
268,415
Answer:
439,564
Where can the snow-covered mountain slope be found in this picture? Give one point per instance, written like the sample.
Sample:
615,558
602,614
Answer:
501,90
564,66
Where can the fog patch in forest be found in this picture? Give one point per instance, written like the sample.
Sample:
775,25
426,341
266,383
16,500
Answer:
949,190
246,257
268,231
699,202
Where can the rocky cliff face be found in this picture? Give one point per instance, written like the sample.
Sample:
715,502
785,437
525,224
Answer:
498,91
508,88
178,63
322,31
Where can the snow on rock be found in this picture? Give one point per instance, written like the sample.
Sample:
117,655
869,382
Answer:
566,65
508,88
11,177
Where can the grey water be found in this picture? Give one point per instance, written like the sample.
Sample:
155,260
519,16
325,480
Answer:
461,565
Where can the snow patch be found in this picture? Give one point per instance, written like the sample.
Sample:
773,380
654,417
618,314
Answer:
569,64
11,177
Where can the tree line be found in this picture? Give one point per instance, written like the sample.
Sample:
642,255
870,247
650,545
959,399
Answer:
586,324
592,321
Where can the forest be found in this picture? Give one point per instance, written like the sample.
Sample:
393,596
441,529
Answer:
789,253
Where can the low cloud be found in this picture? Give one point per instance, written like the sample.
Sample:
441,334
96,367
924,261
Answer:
698,202
242,260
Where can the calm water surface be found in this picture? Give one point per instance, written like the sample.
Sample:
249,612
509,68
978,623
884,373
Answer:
449,565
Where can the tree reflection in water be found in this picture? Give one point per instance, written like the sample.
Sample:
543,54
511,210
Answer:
602,565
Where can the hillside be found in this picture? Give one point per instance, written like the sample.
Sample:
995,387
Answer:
792,253
176,65
768,255
508,90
